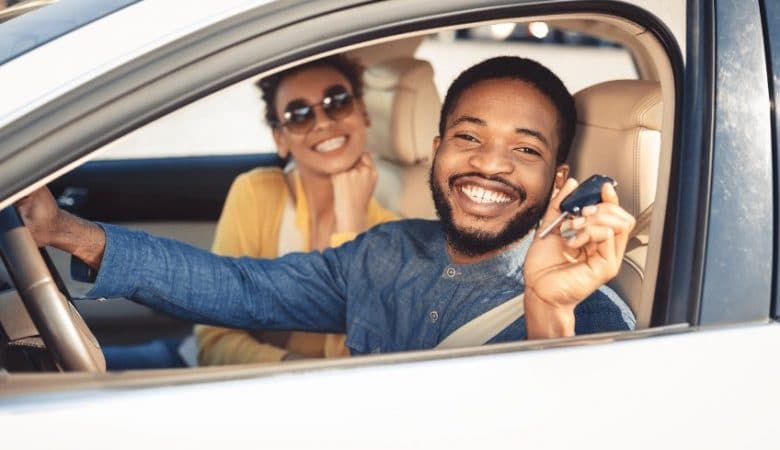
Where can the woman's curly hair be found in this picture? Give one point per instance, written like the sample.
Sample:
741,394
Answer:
269,86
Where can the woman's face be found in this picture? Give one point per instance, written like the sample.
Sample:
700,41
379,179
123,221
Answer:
330,145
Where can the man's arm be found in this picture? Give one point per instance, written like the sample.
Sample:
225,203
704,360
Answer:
302,291
559,273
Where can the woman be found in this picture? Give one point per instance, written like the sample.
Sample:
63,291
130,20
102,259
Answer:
319,123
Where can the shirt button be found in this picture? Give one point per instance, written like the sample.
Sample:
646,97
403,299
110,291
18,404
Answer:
450,272
434,315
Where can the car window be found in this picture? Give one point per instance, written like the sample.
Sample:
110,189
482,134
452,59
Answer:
231,120
222,135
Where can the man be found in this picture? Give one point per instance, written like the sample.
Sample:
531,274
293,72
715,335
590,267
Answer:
505,130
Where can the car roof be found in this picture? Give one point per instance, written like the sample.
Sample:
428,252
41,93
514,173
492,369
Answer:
21,8
47,71
33,30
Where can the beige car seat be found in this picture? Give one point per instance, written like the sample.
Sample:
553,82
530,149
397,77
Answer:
403,105
619,134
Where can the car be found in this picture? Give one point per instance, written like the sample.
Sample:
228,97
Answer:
114,111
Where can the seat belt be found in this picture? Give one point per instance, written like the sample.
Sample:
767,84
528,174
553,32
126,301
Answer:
641,225
486,326
642,221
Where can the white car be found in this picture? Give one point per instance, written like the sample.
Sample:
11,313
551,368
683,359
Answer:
143,112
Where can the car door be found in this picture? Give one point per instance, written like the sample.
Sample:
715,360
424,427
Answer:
666,386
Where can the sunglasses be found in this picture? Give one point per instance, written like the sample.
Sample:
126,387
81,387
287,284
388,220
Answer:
299,117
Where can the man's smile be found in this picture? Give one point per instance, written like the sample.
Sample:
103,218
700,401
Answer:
479,196
482,195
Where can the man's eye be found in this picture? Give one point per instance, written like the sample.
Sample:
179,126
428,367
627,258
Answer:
466,137
528,150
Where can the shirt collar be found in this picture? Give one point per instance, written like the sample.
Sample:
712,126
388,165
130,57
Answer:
507,263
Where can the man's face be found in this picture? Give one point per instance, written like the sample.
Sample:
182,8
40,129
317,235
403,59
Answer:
495,166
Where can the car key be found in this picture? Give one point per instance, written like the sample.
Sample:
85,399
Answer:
588,193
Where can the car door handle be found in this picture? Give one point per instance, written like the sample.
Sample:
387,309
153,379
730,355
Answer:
73,199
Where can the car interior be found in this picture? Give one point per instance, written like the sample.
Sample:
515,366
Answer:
624,130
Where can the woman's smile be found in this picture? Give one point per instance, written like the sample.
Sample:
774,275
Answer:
331,144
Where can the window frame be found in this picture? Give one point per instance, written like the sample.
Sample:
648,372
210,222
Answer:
771,22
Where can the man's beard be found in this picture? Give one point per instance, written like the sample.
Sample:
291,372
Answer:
473,241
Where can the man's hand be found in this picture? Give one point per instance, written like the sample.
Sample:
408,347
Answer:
352,191
49,225
42,216
560,273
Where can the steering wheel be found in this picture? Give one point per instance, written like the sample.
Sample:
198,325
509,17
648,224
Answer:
61,327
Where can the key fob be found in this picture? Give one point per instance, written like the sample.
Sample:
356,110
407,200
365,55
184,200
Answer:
587,193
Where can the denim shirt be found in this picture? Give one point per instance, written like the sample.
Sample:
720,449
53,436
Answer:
393,288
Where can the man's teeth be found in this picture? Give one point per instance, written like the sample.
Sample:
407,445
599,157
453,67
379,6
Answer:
331,144
482,195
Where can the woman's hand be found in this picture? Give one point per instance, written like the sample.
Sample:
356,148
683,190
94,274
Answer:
560,273
352,190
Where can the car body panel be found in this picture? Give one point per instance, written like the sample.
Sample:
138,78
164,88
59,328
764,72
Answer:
57,19
703,389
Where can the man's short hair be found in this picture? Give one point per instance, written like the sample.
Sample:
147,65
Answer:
522,69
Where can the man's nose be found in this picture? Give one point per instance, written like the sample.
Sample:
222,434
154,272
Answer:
491,159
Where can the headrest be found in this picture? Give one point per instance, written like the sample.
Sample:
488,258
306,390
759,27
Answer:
403,105
621,104
618,134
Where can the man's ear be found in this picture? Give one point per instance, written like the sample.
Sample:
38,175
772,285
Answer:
282,149
436,142
561,175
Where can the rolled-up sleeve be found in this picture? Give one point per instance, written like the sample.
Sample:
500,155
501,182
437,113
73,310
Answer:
300,291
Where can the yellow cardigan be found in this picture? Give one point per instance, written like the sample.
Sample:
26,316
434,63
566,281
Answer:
249,226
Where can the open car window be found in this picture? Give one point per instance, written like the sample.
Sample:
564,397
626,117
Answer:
174,173
171,175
